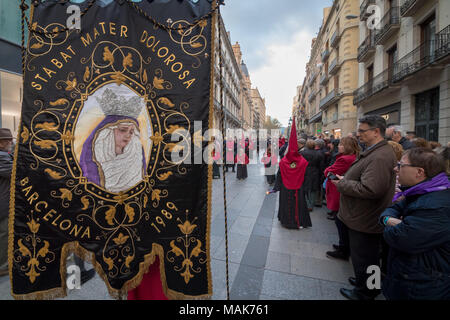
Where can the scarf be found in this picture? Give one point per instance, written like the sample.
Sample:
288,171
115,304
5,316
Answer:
438,183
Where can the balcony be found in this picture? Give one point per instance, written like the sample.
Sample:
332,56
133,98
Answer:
315,118
331,98
312,95
325,55
334,66
335,38
427,54
363,9
323,79
373,86
410,7
388,25
367,48
312,78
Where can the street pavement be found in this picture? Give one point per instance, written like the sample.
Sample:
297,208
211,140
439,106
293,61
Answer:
266,261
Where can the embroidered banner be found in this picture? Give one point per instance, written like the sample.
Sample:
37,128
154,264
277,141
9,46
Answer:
94,172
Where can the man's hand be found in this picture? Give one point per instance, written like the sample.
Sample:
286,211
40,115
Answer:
392,222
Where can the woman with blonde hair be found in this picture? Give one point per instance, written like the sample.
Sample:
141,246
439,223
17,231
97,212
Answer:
398,149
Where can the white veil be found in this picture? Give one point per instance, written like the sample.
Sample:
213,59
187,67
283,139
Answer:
120,172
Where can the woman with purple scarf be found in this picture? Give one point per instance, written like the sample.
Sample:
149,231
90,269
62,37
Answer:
418,230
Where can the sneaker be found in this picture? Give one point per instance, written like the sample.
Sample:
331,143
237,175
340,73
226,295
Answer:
337,254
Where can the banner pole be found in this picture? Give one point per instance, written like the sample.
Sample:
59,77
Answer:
222,118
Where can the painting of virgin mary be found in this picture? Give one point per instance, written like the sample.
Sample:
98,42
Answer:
112,156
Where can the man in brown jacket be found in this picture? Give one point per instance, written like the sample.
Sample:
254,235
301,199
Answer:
366,191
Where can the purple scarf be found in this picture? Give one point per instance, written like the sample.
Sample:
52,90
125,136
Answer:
438,183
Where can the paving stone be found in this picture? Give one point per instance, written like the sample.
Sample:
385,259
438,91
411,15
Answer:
332,270
256,252
277,261
247,285
236,247
243,225
218,272
289,287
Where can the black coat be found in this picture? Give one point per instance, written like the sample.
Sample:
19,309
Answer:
419,255
333,155
406,144
282,150
323,163
313,170
6,165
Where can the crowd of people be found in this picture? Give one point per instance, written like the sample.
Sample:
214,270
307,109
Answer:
387,192
389,195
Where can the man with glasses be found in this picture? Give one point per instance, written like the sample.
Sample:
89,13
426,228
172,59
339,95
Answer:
366,191
417,230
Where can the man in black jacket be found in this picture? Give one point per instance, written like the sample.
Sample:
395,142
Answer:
6,165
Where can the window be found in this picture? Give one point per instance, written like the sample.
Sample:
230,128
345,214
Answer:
370,73
392,58
428,37
427,115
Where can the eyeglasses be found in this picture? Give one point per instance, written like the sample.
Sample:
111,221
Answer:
401,165
362,131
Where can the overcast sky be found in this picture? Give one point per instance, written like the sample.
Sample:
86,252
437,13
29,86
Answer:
275,38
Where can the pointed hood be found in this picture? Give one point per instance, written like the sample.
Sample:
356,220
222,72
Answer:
293,165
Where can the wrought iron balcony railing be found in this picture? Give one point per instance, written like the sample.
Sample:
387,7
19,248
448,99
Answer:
324,78
312,78
367,47
389,23
325,55
330,98
424,55
375,85
410,7
335,38
312,95
334,66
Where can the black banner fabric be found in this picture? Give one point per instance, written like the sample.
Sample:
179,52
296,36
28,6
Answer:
93,170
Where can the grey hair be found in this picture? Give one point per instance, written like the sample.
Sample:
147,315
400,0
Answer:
398,129
320,143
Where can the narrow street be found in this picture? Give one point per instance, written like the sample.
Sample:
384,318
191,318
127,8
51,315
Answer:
266,261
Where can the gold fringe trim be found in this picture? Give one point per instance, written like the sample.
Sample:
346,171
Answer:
214,19
149,259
